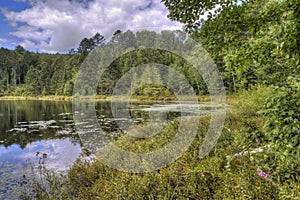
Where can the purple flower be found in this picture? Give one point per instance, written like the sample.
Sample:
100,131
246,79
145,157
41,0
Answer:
256,139
267,175
263,174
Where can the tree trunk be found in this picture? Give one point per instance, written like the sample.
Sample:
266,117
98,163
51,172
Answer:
234,86
15,78
19,75
7,84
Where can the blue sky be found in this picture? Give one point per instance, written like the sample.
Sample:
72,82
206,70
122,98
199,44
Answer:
59,25
6,40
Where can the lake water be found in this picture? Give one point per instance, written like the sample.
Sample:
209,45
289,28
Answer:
35,134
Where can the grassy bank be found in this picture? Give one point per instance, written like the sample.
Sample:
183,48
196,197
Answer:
51,98
235,169
202,98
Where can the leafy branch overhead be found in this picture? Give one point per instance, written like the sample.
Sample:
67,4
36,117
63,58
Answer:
194,13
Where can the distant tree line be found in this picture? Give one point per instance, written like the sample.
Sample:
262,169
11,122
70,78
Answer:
27,73
253,43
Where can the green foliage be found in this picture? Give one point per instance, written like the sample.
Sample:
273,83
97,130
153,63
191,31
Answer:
22,90
33,81
255,44
252,42
194,13
282,128
68,89
46,74
282,113
269,53
88,44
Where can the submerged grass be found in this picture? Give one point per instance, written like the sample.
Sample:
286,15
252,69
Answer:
223,174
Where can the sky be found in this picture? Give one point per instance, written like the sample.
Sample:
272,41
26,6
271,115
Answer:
53,26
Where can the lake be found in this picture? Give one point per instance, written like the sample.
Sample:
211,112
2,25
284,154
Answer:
42,134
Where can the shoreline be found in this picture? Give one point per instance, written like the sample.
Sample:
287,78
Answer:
201,98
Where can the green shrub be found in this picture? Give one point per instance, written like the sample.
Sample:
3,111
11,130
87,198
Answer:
22,90
281,111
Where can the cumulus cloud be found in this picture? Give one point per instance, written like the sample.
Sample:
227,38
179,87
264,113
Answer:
3,40
28,44
59,25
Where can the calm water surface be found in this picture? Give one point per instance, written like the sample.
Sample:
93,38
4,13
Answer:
42,133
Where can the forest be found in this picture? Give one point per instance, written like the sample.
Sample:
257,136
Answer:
255,45
34,74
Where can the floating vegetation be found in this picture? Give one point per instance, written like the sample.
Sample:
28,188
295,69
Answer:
202,109
66,121
54,127
65,114
21,123
66,131
18,130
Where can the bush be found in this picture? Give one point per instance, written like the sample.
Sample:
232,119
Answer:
22,90
282,129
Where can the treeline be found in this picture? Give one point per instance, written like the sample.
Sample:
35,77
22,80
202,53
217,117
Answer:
28,73
25,73
253,43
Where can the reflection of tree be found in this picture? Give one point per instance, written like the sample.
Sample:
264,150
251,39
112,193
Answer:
14,112
25,138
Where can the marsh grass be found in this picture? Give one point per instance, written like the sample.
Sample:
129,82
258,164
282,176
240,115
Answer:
219,175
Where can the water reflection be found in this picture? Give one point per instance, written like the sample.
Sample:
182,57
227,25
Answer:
31,128
23,122
61,153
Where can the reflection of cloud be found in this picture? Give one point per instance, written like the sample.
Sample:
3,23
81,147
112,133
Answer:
9,154
61,154
16,162
59,25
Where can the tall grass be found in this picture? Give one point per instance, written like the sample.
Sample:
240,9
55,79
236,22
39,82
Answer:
228,172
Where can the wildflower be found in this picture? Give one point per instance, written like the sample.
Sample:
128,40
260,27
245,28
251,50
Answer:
257,139
263,174
267,175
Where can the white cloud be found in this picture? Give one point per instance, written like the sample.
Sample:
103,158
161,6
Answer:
59,25
3,40
28,44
